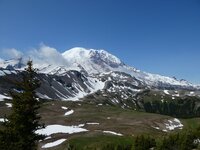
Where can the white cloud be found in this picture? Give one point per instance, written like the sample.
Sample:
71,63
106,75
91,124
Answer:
12,53
42,56
48,55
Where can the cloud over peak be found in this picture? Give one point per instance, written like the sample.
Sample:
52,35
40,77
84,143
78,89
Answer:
12,53
41,56
47,55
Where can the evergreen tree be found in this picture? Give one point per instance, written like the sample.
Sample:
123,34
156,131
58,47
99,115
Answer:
18,132
144,143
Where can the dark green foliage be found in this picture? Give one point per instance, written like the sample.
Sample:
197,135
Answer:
181,108
179,141
101,143
117,146
144,143
19,131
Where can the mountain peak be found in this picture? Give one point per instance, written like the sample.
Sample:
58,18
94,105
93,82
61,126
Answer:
92,59
76,53
80,52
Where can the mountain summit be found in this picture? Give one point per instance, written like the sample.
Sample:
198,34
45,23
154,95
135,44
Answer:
93,61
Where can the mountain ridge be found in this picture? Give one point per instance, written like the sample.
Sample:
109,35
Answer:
93,62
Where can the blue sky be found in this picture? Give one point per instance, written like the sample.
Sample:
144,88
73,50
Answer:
157,36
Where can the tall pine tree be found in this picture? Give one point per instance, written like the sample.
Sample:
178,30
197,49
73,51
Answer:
18,131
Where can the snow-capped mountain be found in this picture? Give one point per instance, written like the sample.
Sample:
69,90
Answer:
93,61
85,71
12,64
96,62
100,61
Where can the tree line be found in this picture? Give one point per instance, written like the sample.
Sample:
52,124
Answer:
180,108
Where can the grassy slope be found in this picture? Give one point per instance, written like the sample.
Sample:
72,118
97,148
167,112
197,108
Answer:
127,122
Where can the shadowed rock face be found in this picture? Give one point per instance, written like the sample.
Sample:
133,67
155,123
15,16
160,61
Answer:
102,59
114,88
52,86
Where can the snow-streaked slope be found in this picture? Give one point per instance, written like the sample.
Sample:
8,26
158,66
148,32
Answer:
72,86
4,72
93,85
12,63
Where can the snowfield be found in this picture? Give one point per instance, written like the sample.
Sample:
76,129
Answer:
53,129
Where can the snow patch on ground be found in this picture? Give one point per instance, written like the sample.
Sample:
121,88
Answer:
53,144
2,97
157,128
173,124
114,133
3,119
170,125
92,123
53,129
63,107
69,113
197,141
176,95
166,92
191,92
9,105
